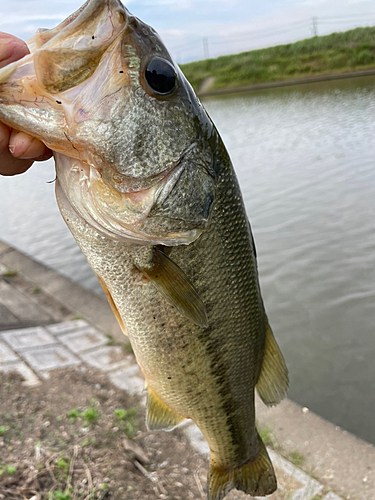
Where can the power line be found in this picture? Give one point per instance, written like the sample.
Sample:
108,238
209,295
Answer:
260,34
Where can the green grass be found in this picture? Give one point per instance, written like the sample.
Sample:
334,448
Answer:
336,53
89,415
297,458
10,273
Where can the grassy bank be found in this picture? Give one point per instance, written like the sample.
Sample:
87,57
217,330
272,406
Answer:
352,50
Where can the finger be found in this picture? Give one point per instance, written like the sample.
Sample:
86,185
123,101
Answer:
8,164
11,49
24,146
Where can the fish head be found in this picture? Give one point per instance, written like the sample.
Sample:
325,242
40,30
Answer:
135,150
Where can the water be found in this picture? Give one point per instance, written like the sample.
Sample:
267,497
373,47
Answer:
305,158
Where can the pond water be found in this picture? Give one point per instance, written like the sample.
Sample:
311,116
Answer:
305,158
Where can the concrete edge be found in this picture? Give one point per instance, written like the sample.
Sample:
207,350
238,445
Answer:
81,301
206,92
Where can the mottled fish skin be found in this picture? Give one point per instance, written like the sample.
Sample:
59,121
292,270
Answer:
206,374
148,190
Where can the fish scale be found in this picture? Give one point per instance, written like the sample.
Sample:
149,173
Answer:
148,190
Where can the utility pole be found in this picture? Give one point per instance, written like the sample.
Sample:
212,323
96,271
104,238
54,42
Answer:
205,48
315,25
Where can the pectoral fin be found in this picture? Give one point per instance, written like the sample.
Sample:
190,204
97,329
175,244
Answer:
273,381
158,415
175,287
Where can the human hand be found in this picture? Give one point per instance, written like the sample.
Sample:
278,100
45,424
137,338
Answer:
18,150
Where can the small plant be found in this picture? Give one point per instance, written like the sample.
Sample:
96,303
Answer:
7,469
73,414
3,428
127,421
10,273
127,348
267,437
62,464
36,289
90,415
297,458
120,413
59,495
111,340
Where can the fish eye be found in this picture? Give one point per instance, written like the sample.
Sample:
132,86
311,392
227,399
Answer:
161,76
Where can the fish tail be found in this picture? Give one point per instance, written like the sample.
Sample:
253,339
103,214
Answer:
254,478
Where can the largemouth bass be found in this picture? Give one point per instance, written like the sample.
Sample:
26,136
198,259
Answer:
148,190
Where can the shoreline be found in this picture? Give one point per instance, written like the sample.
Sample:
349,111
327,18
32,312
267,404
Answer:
283,83
314,458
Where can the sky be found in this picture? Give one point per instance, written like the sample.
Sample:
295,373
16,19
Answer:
193,29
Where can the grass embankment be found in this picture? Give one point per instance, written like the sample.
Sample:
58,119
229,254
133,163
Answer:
352,50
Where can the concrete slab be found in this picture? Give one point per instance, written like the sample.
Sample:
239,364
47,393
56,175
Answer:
20,305
7,318
129,379
4,247
106,358
6,354
309,486
67,326
341,461
332,496
30,378
73,296
50,358
28,338
83,340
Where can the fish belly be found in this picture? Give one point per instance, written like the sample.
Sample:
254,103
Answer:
206,374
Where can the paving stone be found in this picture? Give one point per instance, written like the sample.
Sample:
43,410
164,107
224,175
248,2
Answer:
28,338
50,358
332,496
28,375
6,354
129,378
67,326
106,358
83,340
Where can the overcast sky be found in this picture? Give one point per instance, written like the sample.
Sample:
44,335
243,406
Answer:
229,25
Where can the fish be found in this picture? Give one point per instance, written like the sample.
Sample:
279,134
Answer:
147,188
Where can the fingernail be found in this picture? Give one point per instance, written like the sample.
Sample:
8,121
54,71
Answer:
11,148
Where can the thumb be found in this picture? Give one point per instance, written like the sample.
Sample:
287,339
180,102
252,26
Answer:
11,49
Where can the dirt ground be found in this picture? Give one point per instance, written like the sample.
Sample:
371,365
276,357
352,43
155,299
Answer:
76,437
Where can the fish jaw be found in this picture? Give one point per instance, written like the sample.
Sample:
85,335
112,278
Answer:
114,215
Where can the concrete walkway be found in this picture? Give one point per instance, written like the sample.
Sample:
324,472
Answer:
38,334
